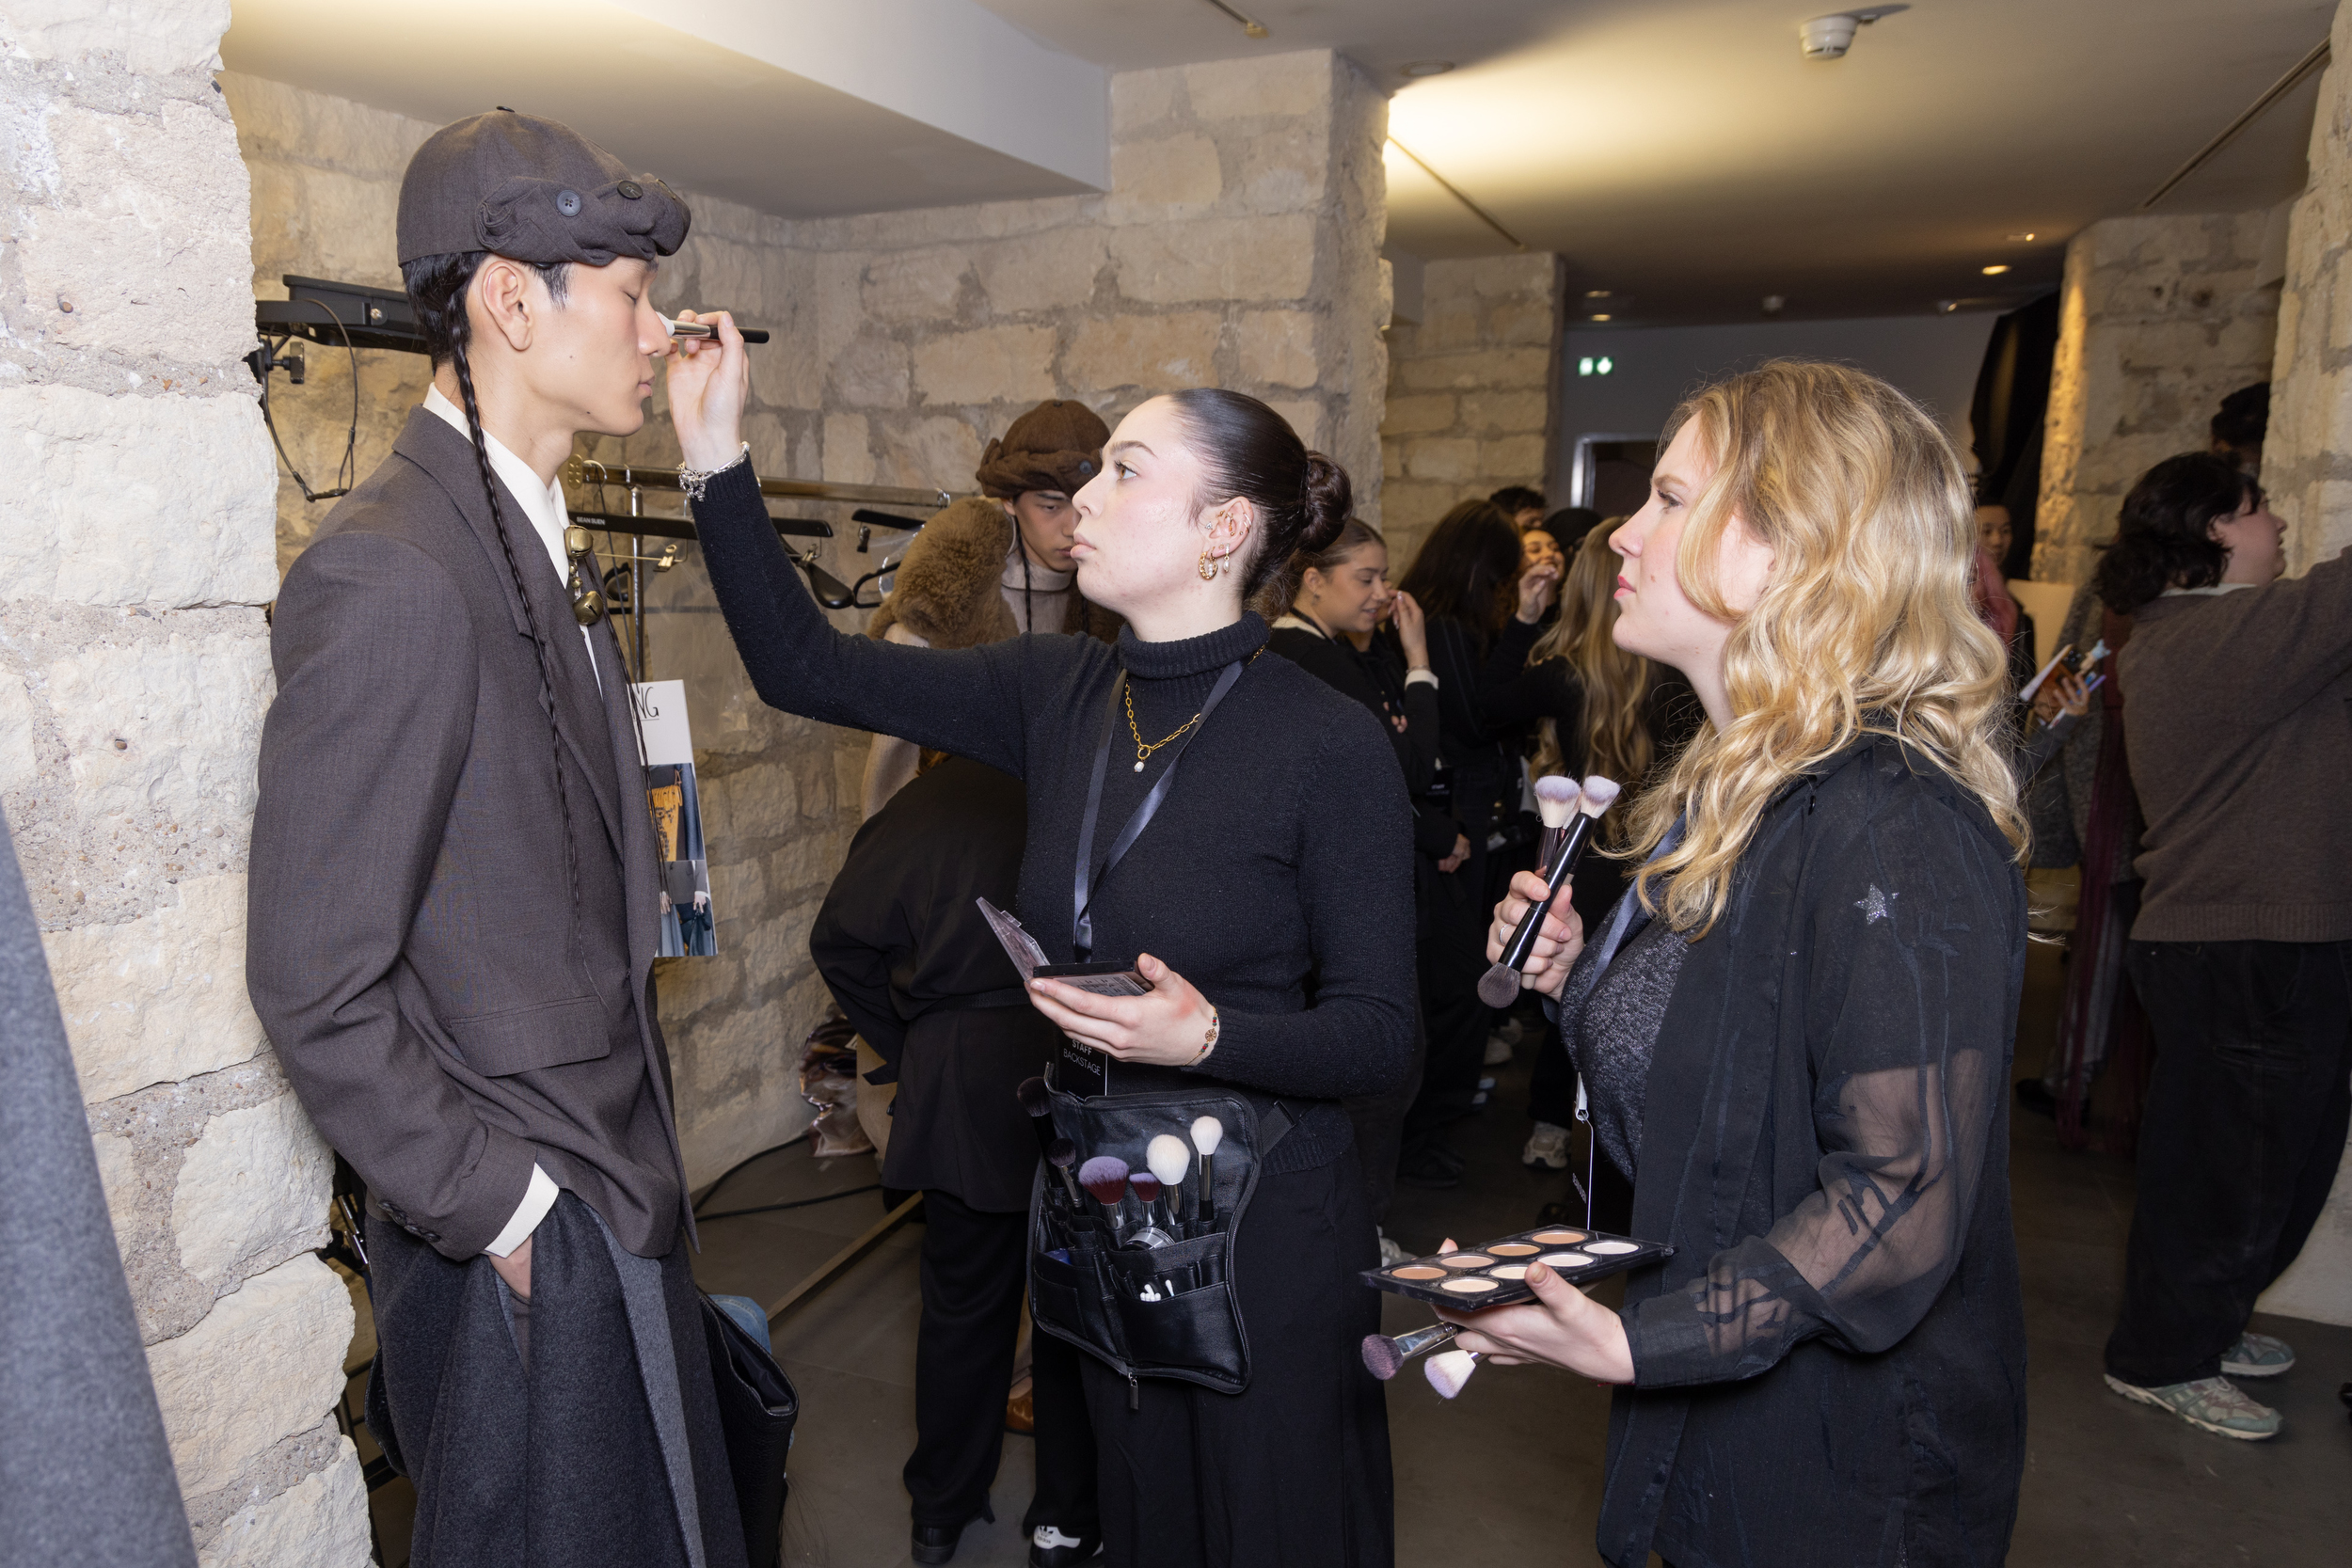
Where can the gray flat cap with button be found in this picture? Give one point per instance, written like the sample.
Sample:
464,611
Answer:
532,190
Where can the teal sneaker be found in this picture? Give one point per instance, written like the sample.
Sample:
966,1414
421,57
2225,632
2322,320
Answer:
2257,1356
2212,1405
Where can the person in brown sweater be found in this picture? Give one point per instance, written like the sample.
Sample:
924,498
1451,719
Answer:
2240,743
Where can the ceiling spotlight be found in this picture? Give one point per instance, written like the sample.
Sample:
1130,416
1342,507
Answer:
2026,237
1595,293
1947,306
1996,269
1774,304
1414,70
1828,37
1602,316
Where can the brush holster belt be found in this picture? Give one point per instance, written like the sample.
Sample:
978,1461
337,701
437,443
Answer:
1171,1311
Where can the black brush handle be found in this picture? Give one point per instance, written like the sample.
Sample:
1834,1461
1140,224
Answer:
1531,924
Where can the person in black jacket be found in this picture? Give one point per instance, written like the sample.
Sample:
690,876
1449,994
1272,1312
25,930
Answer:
1343,593
1266,901
1484,614
903,948
1798,1023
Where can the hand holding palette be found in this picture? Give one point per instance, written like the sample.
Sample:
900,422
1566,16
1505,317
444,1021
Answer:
1496,1274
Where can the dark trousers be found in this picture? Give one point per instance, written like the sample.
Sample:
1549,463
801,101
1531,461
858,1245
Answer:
1292,1472
2245,1125
1378,1120
585,1457
975,1268
1452,959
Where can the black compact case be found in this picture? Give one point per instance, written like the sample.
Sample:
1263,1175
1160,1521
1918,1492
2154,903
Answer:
1494,1275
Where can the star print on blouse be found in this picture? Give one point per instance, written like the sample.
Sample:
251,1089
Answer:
1874,907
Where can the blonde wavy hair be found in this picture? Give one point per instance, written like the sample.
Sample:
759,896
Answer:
1616,684
1865,626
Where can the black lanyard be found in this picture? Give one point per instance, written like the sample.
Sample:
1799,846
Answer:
1082,915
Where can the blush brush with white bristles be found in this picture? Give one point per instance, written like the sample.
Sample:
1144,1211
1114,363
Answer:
1555,801
1500,985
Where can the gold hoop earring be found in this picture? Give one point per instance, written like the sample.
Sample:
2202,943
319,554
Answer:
1210,567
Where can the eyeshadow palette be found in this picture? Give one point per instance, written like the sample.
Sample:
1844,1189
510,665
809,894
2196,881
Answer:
1496,1274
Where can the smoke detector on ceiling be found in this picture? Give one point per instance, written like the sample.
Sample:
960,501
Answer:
1828,37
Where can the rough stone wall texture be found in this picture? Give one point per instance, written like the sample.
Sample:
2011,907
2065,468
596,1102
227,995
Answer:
1238,247
2307,467
1470,389
2159,318
137,551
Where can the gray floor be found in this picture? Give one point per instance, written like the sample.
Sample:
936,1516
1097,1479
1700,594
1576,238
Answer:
1509,1473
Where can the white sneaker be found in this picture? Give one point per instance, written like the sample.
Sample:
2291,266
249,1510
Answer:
1391,1252
1547,1147
1510,1031
1497,1051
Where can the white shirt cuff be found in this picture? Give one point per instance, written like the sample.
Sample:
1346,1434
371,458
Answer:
1420,677
538,1200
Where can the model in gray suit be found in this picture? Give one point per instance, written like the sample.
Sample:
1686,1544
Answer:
455,896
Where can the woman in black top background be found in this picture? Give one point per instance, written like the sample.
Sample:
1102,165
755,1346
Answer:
1330,629
1482,612
1277,865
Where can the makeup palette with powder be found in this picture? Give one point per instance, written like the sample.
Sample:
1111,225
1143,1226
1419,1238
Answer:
1496,1274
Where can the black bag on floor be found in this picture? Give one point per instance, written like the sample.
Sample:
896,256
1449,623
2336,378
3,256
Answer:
1168,1311
757,1410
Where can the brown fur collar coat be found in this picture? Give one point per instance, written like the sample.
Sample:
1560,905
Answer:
949,588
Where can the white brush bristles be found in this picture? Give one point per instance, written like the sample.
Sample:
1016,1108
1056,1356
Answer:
1598,795
1207,1133
1169,1158
1555,799
1449,1370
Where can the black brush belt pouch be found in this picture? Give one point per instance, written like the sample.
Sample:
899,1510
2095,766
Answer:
1169,1311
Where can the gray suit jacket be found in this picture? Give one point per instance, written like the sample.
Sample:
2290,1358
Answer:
412,947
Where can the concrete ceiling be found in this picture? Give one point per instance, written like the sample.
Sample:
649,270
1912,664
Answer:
799,109
1680,153
1684,156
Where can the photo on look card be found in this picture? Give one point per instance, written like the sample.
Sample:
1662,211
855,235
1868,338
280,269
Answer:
688,929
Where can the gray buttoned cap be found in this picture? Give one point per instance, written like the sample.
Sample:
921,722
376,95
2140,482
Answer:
533,190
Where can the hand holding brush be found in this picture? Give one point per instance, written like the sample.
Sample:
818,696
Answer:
1500,985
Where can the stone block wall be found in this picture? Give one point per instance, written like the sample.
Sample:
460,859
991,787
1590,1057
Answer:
1238,247
1472,390
2307,467
2159,318
137,551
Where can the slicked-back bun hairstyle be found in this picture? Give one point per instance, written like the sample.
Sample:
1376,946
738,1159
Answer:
1249,451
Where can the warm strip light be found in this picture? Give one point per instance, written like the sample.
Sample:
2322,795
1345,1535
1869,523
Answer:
1996,269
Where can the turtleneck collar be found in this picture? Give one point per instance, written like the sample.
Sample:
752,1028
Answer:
1193,656
1041,579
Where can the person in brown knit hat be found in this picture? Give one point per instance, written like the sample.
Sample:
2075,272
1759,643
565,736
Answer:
984,570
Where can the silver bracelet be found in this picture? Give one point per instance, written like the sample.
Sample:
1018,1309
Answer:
694,484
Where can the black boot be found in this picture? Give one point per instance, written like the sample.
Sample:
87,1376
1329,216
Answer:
937,1543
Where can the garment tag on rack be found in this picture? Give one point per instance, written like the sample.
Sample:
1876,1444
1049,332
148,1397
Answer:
688,927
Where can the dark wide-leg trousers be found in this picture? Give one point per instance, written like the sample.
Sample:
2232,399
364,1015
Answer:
975,1270
604,1450
1293,1472
2245,1126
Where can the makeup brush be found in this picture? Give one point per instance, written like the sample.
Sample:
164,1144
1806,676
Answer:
1147,1190
1385,1356
1040,1109
1449,1370
702,329
1500,985
1106,1176
1062,1156
1207,1133
1166,1156
1555,799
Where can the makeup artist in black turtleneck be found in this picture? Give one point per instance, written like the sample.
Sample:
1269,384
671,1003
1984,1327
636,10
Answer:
1268,903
